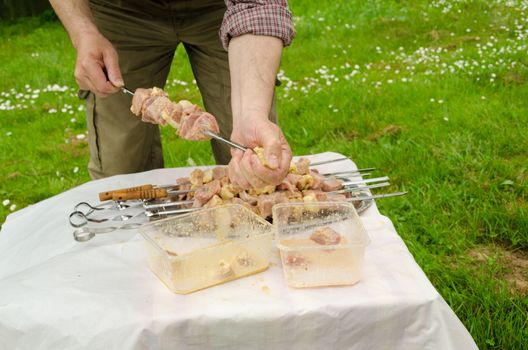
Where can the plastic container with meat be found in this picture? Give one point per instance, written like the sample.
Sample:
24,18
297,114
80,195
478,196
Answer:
207,247
321,243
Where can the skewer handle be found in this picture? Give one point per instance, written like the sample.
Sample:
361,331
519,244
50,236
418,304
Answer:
104,196
140,194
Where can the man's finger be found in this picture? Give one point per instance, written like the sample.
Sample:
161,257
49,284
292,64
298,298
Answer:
249,172
111,62
272,148
98,79
235,174
272,177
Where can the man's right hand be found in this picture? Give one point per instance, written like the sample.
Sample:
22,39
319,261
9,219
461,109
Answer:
97,65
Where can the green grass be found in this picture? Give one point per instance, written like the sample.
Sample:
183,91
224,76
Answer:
432,93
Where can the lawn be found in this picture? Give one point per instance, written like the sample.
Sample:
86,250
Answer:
433,93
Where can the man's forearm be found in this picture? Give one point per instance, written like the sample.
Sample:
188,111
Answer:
253,62
76,17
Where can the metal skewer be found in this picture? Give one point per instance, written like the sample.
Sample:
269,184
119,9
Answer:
126,91
154,214
364,181
349,172
376,196
220,138
361,188
328,161
149,206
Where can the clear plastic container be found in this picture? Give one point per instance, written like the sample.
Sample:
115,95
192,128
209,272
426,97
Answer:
207,247
320,243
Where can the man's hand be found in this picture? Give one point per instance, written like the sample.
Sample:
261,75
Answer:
245,168
97,67
253,63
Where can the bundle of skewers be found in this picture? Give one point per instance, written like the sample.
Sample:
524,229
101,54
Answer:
212,187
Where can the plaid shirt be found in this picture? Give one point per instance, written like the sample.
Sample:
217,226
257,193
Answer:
258,17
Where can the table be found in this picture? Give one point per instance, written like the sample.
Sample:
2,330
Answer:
56,293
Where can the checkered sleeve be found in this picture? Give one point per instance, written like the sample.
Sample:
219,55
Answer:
258,17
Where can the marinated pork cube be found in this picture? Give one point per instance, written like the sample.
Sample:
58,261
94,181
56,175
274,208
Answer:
196,178
286,185
305,182
228,191
207,176
259,151
219,172
204,193
246,197
265,204
193,128
319,195
140,96
303,166
214,202
325,236
183,181
264,190
331,184
318,179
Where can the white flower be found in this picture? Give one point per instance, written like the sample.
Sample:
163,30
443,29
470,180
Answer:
80,137
440,101
9,133
76,169
12,207
6,202
191,162
482,97
432,100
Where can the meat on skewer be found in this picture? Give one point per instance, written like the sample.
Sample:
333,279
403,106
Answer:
154,106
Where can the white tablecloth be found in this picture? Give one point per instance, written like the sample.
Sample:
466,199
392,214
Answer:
56,293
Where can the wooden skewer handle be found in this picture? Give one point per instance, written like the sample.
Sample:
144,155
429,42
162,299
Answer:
104,196
140,194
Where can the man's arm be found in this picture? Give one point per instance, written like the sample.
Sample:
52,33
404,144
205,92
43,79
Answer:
96,68
253,62
255,33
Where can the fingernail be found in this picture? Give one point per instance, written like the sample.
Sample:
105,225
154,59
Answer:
119,83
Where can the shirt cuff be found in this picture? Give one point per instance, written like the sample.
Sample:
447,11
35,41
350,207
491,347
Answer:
250,18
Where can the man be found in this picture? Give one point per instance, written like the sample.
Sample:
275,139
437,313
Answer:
134,42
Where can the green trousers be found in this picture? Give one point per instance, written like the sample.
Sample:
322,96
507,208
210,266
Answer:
146,34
